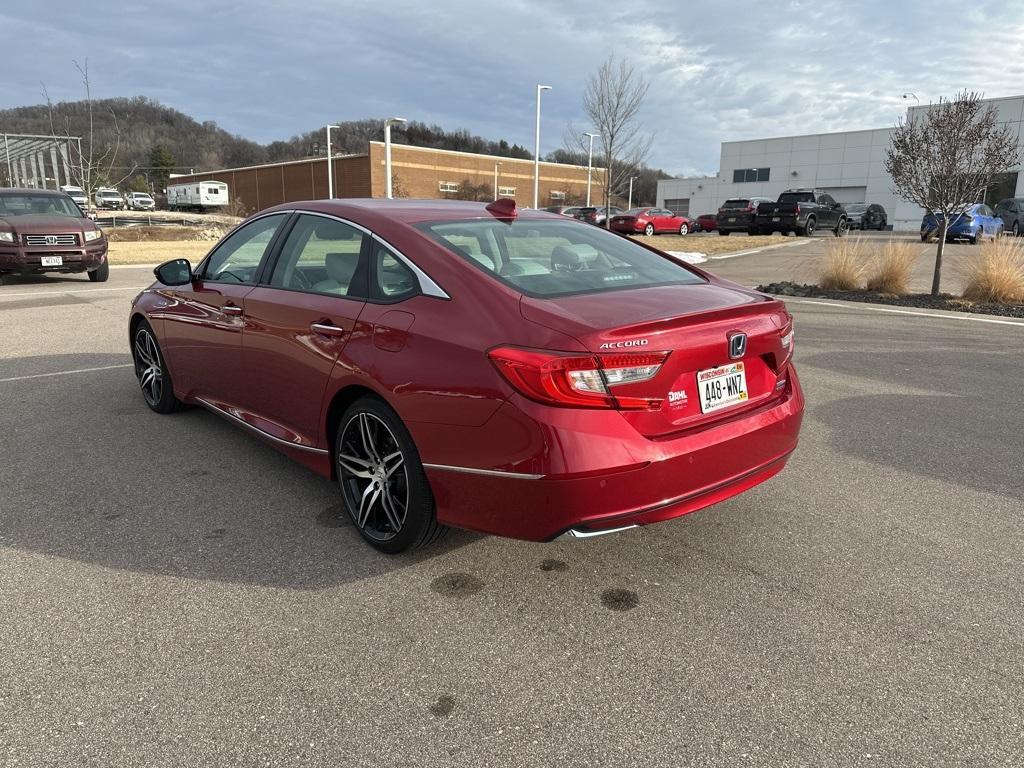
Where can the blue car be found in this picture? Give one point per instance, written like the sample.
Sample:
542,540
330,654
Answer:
977,222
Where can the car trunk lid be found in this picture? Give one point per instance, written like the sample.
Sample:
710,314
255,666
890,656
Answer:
694,324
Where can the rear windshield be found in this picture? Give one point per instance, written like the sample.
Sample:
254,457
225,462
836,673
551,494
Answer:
554,258
40,205
856,208
735,203
796,197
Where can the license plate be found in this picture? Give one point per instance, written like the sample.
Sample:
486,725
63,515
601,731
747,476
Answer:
51,261
722,386
775,218
732,218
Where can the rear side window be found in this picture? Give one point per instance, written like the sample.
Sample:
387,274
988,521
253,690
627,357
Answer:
551,258
391,279
321,255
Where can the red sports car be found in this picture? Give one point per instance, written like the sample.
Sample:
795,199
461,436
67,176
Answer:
650,221
456,364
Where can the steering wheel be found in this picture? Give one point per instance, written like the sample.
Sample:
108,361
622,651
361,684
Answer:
300,281
228,273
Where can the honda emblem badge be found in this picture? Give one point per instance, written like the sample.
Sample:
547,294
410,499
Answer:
737,345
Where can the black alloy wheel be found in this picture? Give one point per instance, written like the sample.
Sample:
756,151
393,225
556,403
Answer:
382,480
154,379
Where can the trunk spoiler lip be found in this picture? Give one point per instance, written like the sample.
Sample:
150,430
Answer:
676,322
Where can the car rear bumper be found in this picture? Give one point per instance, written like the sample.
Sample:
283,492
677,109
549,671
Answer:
609,477
778,222
21,260
628,228
741,224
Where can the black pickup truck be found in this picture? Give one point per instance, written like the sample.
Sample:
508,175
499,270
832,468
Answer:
801,211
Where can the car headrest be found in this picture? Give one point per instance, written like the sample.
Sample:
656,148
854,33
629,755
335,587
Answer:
341,266
570,258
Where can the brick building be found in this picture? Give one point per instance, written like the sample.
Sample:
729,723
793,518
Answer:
417,172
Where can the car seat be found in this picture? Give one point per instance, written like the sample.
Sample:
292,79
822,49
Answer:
340,269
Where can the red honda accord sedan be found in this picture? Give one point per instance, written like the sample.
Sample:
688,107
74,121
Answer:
456,364
650,221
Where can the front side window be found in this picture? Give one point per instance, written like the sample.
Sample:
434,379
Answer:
237,257
321,255
552,258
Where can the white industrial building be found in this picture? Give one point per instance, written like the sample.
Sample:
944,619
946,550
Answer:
847,165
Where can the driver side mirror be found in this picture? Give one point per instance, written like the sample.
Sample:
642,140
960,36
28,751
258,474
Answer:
174,272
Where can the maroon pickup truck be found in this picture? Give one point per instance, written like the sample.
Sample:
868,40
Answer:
44,231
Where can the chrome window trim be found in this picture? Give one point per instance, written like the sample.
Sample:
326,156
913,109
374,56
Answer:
427,285
487,472
256,430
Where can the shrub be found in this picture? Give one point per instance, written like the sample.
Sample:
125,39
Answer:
997,273
845,264
891,268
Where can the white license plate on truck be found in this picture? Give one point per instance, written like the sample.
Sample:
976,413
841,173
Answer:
51,261
722,386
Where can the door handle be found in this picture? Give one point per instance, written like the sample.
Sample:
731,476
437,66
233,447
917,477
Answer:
327,329
231,309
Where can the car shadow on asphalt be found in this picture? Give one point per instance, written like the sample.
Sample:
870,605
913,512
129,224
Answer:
92,474
967,431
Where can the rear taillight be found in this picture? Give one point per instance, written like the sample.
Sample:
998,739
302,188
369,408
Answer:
581,381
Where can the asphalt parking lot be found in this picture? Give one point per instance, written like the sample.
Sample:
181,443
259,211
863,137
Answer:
173,592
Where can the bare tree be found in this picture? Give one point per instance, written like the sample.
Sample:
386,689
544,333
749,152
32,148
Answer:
612,102
944,160
95,166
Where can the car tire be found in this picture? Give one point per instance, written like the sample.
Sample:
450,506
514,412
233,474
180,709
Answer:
374,489
649,230
1016,229
807,229
881,225
842,228
973,239
684,229
101,274
151,371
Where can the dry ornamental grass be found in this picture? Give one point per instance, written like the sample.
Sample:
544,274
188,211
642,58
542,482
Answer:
890,270
997,273
845,263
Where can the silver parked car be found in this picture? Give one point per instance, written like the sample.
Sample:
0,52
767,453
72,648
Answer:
1011,211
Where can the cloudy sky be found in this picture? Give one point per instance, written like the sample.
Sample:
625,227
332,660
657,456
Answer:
268,70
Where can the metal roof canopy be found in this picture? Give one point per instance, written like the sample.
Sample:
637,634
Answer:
33,160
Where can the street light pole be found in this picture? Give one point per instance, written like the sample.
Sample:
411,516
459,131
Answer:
496,180
330,165
536,151
590,162
387,149
630,205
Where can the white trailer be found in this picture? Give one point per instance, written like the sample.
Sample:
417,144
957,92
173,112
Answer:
197,195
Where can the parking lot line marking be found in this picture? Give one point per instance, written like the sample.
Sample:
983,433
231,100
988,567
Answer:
758,250
66,373
852,305
61,293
